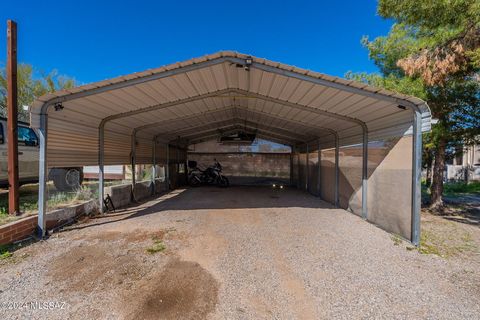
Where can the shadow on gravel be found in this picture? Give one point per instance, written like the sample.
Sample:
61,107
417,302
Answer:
238,197
234,197
461,209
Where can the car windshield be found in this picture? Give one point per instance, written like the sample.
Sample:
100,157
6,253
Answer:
27,137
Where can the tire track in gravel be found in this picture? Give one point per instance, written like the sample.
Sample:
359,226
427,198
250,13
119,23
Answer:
209,244
304,304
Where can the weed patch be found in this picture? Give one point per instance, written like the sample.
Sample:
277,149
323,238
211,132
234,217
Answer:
158,246
396,240
5,252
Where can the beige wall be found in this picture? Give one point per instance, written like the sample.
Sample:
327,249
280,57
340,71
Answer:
327,186
313,173
389,181
390,187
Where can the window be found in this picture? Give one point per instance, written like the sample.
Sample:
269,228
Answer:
181,167
27,137
2,140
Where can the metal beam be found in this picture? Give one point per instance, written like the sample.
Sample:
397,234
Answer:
219,111
300,107
182,131
188,132
214,133
291,165
336,193
298,171
154,166
12,118
177,165
272,116
364,174
307,164
336,85
167,168
101,171
259,135
134,160
416,177
163,105
253,126
183,119
42,177
236,125
319,180
135,81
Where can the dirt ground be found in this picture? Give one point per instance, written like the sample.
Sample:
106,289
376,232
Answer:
211,253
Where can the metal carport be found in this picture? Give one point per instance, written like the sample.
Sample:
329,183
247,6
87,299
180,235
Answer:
124,120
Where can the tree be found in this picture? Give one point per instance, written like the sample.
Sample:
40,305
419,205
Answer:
31,87
433,52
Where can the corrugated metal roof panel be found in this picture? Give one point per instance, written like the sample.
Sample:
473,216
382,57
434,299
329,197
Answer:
223,72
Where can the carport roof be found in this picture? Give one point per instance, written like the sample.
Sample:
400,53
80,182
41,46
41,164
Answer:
198,99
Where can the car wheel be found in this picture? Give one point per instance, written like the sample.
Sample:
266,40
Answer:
68,179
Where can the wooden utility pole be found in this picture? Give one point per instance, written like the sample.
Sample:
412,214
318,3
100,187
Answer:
12,118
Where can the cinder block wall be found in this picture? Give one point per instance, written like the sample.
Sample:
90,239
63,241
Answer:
249,168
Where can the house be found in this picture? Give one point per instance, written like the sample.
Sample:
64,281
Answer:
466,165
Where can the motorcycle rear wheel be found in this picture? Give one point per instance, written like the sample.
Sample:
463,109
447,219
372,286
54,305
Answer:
194,182
223,182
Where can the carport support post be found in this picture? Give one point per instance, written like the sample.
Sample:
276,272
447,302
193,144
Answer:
167,168
154,164
364,173
134,161
291,164
101,169
307,164
42,178
337,150
298,171
416,177
319,180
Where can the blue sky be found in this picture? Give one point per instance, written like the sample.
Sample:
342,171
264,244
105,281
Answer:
96,40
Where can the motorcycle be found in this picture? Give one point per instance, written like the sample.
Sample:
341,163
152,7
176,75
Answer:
210,176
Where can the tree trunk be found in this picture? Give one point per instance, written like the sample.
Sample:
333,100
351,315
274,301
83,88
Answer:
438,171
428,179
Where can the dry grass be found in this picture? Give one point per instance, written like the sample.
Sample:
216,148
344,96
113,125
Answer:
446,238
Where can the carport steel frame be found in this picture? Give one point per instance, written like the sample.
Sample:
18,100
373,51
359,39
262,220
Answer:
417,136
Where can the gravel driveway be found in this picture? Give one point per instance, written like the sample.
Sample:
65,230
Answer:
236,253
